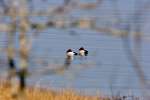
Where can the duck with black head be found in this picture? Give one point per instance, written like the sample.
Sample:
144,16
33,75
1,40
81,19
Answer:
83,52
70,54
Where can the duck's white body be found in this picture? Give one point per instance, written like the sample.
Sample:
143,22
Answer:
70,55
81,52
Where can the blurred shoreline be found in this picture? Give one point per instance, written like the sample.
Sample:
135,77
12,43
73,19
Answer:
32,93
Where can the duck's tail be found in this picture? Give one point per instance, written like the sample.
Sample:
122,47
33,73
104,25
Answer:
86,52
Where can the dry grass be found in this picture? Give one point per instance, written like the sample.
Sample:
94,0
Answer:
42,94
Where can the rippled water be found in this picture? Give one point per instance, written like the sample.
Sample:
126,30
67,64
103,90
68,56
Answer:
106,69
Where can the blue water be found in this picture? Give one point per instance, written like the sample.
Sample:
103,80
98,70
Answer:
106,69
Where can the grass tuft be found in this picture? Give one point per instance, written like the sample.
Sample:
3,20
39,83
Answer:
32,93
